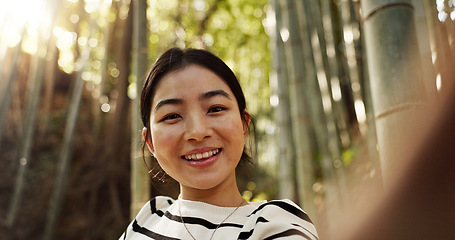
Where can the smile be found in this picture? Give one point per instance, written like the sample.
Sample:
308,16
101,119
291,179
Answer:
200,156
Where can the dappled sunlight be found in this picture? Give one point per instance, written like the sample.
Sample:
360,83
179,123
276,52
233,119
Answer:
32,24
18,21
65,43
446,10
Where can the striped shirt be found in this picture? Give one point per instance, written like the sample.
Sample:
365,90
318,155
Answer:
160,219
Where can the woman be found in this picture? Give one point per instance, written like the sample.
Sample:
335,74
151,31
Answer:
196,123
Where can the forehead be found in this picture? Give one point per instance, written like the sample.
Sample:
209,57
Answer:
188,81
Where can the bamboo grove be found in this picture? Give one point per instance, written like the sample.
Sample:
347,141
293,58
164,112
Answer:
348,78
329,84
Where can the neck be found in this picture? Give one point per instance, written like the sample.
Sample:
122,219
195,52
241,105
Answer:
226,195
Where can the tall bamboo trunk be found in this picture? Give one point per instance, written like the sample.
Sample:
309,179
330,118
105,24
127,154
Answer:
319,97
6,91
396,84
279,84
140,183
119,140
65,158
344,78
372,155
338,108
35,80
49,80
299,106
324,75
349,39
100,87
63,170
424,35
35,83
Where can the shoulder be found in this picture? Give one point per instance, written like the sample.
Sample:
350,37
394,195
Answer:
149,216
284,206
160,203
283,218
157,205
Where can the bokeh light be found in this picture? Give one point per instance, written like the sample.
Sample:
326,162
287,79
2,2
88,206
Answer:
18,21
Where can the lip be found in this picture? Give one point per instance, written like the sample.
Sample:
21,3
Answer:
203,162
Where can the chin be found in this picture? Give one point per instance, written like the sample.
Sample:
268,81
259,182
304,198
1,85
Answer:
207,185
203,183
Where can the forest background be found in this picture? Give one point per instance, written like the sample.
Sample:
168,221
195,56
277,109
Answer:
331,84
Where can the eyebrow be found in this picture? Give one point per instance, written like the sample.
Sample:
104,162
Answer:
214,93
172,101
204,96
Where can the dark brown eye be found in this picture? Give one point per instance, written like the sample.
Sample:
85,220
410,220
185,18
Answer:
216,109
171,117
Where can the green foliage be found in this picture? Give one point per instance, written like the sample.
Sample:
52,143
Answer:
347,156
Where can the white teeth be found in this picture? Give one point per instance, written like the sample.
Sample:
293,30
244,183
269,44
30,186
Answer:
199,156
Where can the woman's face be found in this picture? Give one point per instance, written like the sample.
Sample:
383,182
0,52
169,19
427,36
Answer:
197,134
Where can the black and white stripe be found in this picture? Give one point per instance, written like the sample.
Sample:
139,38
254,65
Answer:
280,219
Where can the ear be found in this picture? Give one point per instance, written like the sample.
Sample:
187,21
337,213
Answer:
148,140
246,123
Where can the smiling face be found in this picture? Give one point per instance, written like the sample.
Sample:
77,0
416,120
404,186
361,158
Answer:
197,133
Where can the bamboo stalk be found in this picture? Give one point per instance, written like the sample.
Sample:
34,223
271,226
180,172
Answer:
35,83
424,35
60,182
140,189
394,68
299,107
6,94
285,143
338,108
64,159
35,80
100,88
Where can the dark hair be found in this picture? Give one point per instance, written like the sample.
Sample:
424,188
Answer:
176,58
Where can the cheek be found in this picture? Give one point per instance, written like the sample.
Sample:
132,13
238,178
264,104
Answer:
235,131
163,140
165,144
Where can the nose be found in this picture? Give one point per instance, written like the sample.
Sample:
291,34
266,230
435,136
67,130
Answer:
197,127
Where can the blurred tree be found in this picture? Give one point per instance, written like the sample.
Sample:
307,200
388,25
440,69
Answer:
325,57
35,83
7,86
140,190
60,183
424,34
300,108
284,137
396,80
